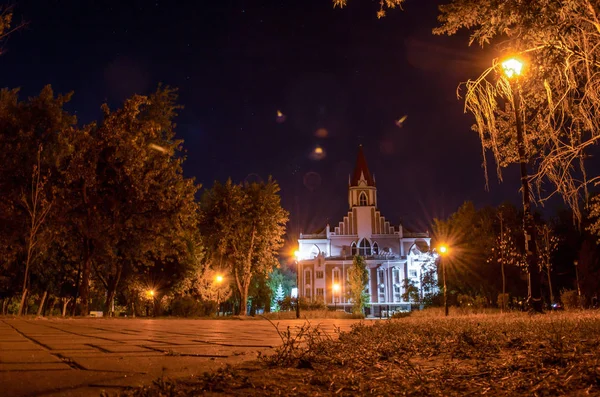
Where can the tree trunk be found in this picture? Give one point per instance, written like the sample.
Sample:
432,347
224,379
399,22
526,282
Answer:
113,282
84,289
64,308
50,305
244,299
22,305
5,303
41,308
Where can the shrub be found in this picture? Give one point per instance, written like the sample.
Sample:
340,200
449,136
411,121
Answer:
464,300
503,298
187,307
286,304
570,299
401,314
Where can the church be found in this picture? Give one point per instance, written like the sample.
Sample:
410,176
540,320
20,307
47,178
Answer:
392,254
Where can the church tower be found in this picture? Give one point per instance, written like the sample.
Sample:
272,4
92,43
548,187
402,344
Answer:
361,185
362,197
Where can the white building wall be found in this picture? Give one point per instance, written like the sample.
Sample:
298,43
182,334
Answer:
363,215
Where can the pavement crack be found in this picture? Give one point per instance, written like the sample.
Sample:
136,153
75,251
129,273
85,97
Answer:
70,362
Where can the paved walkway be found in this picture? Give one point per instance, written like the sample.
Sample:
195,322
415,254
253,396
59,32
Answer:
82,357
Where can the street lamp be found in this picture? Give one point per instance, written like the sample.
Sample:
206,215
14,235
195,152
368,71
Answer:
443,252
150,294
336,290
512,68
297,255
219,280
576,263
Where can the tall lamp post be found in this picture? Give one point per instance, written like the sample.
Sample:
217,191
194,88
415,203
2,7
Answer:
297,255
443,252
336,290
576,263
150,302
512,69
219,280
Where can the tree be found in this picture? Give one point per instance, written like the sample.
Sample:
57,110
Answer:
38,206
282,276
7,27
548,243
383,5
130,204
560,90
242,225
358,277
411,291
30,176
278,296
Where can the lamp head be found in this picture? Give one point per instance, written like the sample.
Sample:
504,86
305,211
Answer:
443,249
219,279
512,67
336,287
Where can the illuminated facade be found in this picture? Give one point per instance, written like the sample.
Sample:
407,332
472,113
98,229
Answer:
392,254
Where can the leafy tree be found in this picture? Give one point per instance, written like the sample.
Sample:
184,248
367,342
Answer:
30,177
411,291
474,263
383,5
560,90
7,26
242,225
358,277
130,204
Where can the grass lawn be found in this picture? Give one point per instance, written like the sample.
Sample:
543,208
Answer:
424,354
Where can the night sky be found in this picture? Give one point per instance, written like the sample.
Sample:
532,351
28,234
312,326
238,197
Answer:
343,73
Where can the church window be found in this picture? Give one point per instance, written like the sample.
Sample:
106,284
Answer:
396,275
320,292
353,248
362,199
412,273
336,276
319,274
375,249
381,285
307,277
397,293
307,294
364,248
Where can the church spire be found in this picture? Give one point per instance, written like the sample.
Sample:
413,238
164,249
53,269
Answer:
361,170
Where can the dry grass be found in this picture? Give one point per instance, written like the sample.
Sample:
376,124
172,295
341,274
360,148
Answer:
498,355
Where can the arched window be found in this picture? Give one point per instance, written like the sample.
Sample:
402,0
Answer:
375,249
362,199
364,248
353,248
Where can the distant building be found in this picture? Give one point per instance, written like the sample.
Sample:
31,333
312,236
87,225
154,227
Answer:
392,253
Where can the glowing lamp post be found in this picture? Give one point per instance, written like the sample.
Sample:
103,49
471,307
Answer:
512,69
443,252
219,280
336,290
297,256
576,264
150,294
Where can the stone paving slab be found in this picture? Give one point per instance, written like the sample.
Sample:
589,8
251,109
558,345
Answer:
82,357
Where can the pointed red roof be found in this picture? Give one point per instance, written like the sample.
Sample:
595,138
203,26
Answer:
361,168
